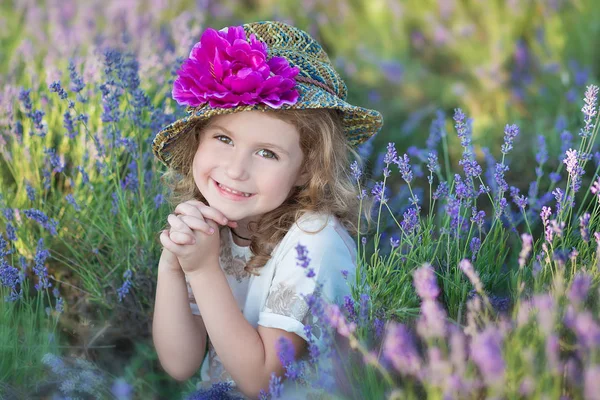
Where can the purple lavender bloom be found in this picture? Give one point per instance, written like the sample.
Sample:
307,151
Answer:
566,143
77,84
584,223
560,124
275,386
432,165
470,166
336,319
313,348
399,348
519,200
592,382
69,126
554,177
542,155
349,305
30,191
441,191
55,87
500,169
589,110
467,268
394,242
11,233
525,249
462,190
461,128
404,168
303,259
115,203
39,269
453,210
59,307
158,200
9,275
379,327
56,364
42,219
71,200
502,206
131,180
553,353
356,171
436,131
379,192
579,288
55,160
391,156
410,222
478,217
432,321
124,289
425,282
510,133
475,245
558,196
546,306
486,352
287,355
574,169
364,309
121,389
587,330
25,99
216,391
9,214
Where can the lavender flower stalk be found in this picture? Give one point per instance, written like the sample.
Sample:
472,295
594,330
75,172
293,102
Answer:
589,110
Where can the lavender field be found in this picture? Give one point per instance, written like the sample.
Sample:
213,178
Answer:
479,280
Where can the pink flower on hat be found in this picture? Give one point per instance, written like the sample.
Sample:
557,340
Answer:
226,70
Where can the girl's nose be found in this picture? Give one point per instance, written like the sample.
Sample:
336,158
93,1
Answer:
237,166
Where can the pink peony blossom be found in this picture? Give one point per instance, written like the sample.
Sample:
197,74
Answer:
226,70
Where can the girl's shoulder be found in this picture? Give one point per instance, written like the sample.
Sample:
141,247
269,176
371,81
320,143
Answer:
319,229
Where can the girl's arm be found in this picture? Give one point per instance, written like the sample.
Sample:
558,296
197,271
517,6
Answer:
247,353
179,336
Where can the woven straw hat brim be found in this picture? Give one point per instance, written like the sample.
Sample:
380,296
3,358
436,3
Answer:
359,123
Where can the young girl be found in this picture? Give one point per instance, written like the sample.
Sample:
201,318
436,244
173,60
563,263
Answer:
259,167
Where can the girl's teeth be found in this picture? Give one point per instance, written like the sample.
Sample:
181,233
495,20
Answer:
233,191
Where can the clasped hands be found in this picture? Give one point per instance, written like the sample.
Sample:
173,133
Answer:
190,238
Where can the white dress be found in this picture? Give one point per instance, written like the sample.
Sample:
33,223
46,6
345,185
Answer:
274,299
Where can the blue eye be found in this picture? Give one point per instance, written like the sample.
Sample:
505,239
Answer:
272,157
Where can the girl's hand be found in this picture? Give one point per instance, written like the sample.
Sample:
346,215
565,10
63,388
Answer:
190,238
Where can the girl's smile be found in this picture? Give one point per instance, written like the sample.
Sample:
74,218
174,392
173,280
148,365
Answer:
230,195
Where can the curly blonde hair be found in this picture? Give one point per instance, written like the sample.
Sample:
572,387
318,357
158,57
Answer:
331,187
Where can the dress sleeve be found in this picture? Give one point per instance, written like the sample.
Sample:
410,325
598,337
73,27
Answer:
285,307
192,299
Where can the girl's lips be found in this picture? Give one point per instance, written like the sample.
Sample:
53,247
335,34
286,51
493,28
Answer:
230,195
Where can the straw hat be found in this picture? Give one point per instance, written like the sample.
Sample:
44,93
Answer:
267,65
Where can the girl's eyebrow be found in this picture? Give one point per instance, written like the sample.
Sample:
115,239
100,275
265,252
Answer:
281,149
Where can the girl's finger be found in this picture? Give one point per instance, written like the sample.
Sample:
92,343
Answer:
209,212
197,224
188,209
181,238
178,224
166,242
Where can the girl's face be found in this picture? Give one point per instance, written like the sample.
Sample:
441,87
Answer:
249,152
